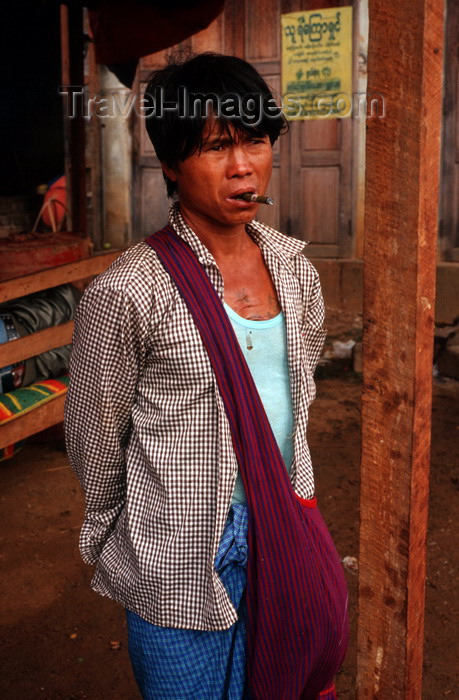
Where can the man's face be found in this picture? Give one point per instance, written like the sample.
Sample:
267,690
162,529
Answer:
209,179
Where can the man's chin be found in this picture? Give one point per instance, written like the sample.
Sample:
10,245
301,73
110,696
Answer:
244,217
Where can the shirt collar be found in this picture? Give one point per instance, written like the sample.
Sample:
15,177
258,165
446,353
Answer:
177,222
283,247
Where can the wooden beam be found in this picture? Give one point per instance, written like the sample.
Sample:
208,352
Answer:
62,274
36,420
402,173
36,343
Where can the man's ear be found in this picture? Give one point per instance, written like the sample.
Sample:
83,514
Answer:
169,172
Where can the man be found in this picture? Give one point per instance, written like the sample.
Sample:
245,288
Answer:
166,514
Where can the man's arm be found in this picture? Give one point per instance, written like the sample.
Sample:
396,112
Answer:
313,330
106,361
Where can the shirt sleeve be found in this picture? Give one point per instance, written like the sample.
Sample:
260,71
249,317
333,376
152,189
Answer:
106,361
313,329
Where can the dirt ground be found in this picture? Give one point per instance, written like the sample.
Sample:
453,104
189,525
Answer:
61,641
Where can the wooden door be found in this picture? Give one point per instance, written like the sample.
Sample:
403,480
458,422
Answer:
311,180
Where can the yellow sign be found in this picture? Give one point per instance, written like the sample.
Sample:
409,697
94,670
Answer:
317,63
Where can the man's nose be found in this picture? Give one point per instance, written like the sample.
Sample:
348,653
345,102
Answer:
239,162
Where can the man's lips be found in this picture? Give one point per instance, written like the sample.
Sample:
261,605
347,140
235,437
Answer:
238,193
237,203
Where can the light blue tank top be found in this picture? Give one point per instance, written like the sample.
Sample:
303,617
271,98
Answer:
264,345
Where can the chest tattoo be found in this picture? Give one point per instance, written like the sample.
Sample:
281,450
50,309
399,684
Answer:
263,309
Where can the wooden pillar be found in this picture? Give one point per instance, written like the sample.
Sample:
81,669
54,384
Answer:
402,174
93,133
72,51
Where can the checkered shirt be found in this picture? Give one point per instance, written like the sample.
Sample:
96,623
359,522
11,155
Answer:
147,432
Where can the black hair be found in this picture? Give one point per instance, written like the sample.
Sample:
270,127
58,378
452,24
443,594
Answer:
186,91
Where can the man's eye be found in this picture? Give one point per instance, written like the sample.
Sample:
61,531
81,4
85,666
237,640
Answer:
217,147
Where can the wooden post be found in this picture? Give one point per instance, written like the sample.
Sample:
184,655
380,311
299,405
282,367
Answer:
402,174
94,148
72,63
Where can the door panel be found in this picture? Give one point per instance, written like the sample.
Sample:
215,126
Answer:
319,210
320,135
262,36
271,214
